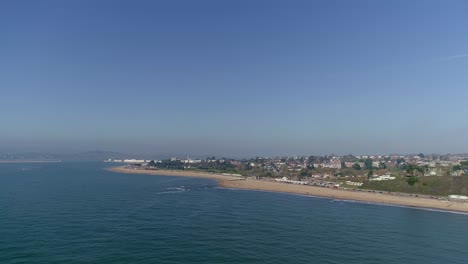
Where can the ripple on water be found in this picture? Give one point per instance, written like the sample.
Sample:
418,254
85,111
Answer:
78,213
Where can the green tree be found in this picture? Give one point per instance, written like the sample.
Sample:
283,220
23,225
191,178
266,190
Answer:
356,166
413,170
403,166
412,180
302,174
370,174
368,164
382,165
152,164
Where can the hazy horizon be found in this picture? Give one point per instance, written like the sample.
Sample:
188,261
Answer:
234,78
98,154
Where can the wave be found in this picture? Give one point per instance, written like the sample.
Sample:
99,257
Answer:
175,190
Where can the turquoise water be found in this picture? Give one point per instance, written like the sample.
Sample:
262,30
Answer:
79,213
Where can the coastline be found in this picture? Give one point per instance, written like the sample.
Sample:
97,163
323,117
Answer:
251,184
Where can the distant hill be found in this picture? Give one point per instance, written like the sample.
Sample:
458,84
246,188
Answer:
97,155
28,156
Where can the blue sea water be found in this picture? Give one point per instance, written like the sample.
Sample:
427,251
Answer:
76,212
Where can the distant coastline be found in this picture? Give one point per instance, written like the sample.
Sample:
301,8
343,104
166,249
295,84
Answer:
252,184
29,161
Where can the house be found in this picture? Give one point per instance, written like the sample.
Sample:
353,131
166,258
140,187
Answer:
134,161
385,177
434,172
458,197
457,173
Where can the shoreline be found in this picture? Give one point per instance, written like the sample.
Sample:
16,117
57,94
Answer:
233,182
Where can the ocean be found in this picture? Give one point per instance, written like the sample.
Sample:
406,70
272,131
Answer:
76,212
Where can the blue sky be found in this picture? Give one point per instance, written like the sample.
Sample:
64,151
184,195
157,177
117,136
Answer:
234,78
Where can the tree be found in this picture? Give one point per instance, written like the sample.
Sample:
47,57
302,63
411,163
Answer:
412,180
403,166
356,166
413,170
421,155
152,164
456,167
370,174
368,164
400,160
303,174
382,165
173,165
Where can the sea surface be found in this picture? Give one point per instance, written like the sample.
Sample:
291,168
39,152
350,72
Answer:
76,212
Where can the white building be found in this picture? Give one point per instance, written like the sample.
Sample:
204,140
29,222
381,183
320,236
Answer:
458,197
134,161
385,177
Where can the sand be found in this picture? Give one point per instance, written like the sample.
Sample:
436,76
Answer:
251,184
192,174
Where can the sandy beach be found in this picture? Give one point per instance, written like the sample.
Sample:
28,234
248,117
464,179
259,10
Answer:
251,184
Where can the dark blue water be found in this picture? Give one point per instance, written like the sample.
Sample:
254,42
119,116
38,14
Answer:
79,213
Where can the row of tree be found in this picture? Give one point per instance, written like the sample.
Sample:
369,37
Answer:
178,165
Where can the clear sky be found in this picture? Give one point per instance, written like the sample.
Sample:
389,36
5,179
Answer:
234,78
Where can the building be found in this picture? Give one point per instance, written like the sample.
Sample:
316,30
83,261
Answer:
333,164
457,173
385,177
134,161
190,161
458,197
434,172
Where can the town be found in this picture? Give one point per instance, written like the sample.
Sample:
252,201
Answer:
429,174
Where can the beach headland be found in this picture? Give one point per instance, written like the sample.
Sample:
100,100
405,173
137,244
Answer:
227,181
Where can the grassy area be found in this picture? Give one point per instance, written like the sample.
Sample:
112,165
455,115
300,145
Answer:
433,185
217,171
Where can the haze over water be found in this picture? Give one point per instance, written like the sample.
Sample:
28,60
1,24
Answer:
76,212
